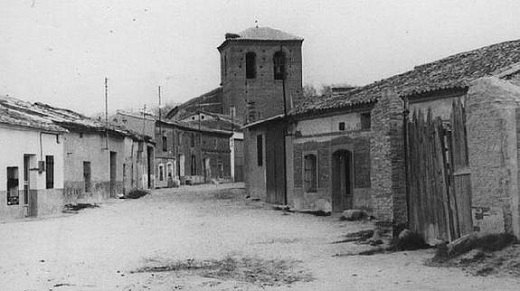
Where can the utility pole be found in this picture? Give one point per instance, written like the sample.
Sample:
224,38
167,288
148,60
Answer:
144,120
284,126
159,89
106,112
160,125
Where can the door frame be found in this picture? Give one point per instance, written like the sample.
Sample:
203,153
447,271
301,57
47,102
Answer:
345,201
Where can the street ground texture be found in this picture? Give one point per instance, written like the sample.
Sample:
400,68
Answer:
209,237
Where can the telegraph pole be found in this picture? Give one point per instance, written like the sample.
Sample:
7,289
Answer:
106,111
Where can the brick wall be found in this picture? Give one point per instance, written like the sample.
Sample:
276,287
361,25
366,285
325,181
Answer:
324,146
264,91
387,160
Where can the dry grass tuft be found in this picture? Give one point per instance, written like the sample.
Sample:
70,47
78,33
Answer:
252,270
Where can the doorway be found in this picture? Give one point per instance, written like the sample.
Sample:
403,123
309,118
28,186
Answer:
149,153
113,173
342,186
30,197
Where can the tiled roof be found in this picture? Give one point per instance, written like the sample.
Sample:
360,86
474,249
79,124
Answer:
16,112
210,101
266,33
41,116
195,127
456,71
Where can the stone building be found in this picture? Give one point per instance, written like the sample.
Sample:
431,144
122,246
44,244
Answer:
486,80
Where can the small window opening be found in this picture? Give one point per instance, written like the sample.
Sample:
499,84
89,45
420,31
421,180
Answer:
250,65
365,120
13,196
342,126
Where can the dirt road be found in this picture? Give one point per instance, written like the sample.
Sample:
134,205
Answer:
208,238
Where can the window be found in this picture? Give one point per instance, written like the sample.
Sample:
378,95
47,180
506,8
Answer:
279,65
87,176
49,172
250,65
164,143
193,165
342,126
310,173
225,65
161,172
13,197
170,170
259,150
192,140
365,120
215,143
179,138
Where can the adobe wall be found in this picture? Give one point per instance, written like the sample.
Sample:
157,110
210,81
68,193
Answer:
91,147
388,175
493,127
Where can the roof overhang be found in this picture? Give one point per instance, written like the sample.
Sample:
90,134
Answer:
264,121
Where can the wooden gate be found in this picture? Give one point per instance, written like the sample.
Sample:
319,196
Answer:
438,177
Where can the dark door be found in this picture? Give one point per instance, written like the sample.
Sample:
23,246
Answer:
113,173
30,198
275,171
149,166
342,192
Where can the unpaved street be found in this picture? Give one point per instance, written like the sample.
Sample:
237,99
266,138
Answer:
102,248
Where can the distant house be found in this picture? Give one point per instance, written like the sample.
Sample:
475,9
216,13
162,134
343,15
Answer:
227,123
189,154
32,162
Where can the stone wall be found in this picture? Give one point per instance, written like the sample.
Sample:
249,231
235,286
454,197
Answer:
388,176
493,128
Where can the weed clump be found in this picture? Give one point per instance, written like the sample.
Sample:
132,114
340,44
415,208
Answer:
72,208
252,270
136,194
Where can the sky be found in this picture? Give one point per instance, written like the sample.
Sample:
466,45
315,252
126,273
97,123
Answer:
59,51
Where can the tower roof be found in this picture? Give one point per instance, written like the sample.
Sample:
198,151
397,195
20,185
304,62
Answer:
260,34
266,33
